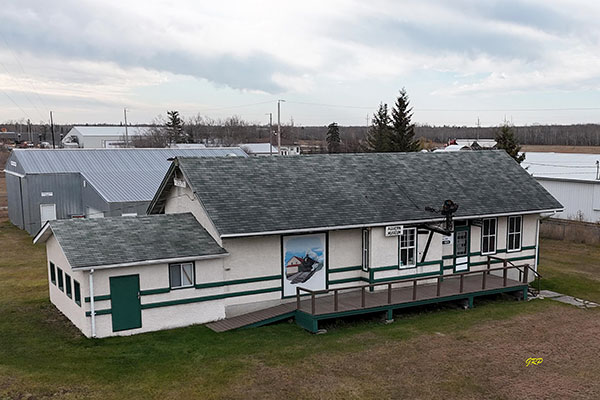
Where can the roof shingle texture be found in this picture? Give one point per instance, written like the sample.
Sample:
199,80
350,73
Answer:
266,194
116,240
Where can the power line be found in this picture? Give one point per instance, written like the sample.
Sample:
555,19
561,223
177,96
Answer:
240,106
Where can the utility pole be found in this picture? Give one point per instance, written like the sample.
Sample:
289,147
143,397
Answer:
279,126
29,130
478,129
52,130
126,133
270,133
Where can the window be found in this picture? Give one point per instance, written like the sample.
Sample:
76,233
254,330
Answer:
408,248
514,233
61,285
365,249
68,286
181,275
488,236
77,290
52,273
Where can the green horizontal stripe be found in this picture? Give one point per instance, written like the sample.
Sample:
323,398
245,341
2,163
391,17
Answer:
388,268
344,269
99,312
208,298
494,261
237,281
99,298
419,264
155,291
355,279
396,278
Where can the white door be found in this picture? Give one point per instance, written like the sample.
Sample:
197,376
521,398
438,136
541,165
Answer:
47,212
461,250
93,213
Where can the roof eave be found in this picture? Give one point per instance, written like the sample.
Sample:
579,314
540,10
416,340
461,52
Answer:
379,224
157,261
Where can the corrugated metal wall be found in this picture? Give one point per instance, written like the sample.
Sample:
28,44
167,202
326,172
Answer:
576,197
15,210
66,194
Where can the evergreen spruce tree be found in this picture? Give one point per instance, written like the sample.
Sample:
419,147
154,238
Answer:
175,128
378,137
505,137
403,130
333,138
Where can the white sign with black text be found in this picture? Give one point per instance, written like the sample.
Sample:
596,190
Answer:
395,230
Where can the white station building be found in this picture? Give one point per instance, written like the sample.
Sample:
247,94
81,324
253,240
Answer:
231,238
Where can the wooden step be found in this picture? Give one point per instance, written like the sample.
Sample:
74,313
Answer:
256,317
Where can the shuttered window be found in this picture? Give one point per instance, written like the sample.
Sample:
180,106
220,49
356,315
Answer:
61,283
77,292
52,273
68,286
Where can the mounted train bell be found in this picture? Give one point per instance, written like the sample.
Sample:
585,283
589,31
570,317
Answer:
448,209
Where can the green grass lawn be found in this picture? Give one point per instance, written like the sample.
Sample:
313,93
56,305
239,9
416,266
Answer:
571,268
43,356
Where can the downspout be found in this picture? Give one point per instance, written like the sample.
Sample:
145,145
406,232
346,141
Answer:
92,305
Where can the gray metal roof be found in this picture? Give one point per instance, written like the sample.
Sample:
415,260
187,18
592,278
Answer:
563,166
119,175
269,194
120,240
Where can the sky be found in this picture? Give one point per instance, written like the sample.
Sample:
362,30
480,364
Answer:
464,61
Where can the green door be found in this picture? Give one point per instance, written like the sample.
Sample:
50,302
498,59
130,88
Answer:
125,302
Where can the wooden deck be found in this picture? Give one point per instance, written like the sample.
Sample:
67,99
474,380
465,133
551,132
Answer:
309,310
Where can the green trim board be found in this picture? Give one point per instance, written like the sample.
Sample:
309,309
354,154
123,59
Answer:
148,292
105,311
237,281
345,269
208,298
99,298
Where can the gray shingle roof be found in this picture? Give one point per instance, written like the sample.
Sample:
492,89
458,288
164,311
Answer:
267,194
117,240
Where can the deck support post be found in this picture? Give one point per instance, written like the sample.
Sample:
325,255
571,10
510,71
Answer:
362,297
462,282
414,290
470,301
297,298
389,316
389,299
439,284
483,281
525,294
335,300
504,276
312,303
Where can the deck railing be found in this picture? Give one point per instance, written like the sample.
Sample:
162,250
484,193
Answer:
523,273
523,276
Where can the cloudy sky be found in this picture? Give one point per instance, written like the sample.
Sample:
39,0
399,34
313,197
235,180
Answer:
530,62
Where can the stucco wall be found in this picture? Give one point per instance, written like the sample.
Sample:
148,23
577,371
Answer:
59,298
157,277
181,200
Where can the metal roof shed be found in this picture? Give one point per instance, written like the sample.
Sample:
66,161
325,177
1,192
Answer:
58,184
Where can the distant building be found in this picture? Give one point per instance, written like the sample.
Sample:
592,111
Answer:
266,149
572,178
46,185
100,137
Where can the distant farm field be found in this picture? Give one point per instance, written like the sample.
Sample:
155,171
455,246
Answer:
562,149
429,353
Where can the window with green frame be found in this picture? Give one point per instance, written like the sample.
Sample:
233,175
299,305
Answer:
68,285
77,290
61,283
52,273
